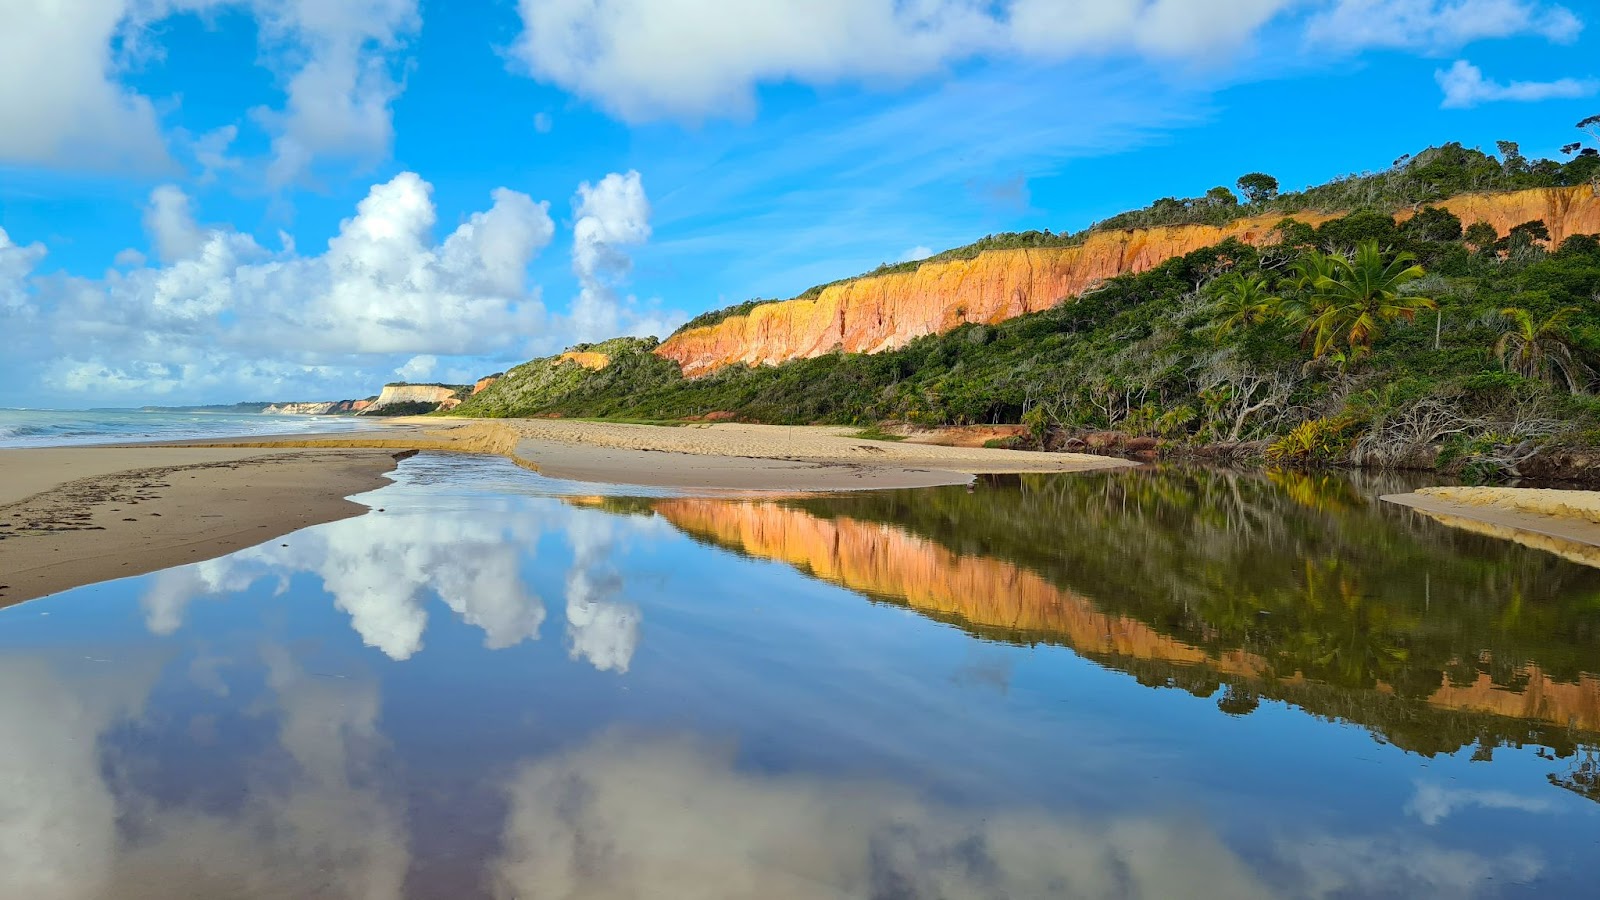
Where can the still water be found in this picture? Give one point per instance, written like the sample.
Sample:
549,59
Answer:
1133,684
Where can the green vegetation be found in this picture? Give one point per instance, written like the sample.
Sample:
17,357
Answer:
876,433
1361,341
1428,177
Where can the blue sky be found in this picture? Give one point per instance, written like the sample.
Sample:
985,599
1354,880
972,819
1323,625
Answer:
217,200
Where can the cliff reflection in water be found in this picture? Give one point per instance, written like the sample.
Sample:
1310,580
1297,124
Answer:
1298,588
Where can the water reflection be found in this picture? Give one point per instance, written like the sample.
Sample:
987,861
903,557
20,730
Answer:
1296,588
87,815
365,709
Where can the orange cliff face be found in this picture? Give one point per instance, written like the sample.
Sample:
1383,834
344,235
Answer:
883,561
592,360
882,312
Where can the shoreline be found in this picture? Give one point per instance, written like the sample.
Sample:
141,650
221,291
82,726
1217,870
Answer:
107,513
1555,521
77,515
713,457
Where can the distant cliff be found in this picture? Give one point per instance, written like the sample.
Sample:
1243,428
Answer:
881,312
323,408
403,399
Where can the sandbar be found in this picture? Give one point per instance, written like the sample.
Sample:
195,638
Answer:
1566,523
720,456
78,515
71,516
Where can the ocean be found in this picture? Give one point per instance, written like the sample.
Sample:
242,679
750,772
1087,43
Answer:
60,427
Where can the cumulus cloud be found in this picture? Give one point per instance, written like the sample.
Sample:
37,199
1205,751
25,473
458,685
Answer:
650,59
16,263
223,310
611,216
1465,86
59,95
64,101
916,253
341,85
1438,24
169,221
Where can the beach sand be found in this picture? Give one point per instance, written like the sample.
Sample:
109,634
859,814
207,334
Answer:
80,515
1566,523
722,456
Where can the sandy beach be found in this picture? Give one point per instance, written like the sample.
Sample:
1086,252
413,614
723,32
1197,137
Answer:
716,457
79,515
1566,523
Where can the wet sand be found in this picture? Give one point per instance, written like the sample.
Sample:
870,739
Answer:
79,515
722,456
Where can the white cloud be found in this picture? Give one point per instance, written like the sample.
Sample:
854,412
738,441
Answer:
225,310
418,368
651,59
65,104
611,216
16,263
59,96
1465,86
1438,24
338,98
542,123
916,253
169,220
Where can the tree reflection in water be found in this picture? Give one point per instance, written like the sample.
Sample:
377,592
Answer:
1303,588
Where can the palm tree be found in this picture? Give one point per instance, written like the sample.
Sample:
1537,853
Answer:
1356,297
1540,350
1243,301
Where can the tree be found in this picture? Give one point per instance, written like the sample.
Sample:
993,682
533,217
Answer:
1221,196
1591,127
1361,294
1541,350
1433,224
1481,235
1258,187
1243,301
1511,159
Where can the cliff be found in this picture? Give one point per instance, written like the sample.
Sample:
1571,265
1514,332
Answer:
881,312
411,396
323,408
589,359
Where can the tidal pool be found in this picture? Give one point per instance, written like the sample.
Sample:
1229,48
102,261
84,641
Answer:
1149,683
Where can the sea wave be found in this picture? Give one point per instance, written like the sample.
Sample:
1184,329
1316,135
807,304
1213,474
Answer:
50,428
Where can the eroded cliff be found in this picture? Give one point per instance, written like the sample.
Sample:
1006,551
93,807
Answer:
881,312
409,398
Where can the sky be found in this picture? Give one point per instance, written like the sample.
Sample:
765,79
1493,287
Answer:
209,201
